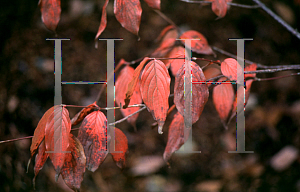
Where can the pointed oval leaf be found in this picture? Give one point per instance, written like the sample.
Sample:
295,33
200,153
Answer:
50,10
155,90
199,91
83,113
229,68
121,145
223,97
74,166
93,137
132,84
122,82
39,132
128,13
155,4
175,136
103,21
57,132
199,46
40,160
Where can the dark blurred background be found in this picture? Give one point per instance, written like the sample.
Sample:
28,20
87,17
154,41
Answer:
272,114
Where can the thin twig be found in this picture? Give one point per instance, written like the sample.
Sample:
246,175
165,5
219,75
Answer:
17,139
121,120
278,19
228,3
274,78
272,70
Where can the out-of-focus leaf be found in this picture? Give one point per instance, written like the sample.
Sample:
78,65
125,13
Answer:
50,10
155,90
177,52
155,4
230,67
219,7
103,20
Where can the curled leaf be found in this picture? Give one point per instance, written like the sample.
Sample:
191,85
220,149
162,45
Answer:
199,91
40,160
122,82
175,136
74,166
155,90
93,137
103,20
83,113
200,45
50,10
128,13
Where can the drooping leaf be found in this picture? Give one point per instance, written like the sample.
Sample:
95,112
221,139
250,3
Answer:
155,90
199,91
74,166
219,7
103,20
39,132
40,160
121,145
199,46
175,136
230,67
155,4
122,82
93,137
223,96
83,113
50,10
128,13
177,52
57,132
134,81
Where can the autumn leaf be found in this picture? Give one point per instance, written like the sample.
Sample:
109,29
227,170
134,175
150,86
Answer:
199,46
83,113
199,91
133,82
211,72
121,145
103,20
168,32
57,132
92,135
122,82
219,7
177,52
223,96
40,160
74,166
128,13
155,4
230,67
50,10
155,90
39,132
175,136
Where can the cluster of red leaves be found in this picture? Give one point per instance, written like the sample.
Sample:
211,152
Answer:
69,155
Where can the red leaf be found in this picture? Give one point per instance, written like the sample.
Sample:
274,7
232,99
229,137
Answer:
50,10
74,166
122,82
40,160
57,132
92,135
177,52
121,144
103,20
167,31
211,72
83,113
219,7
199,46
168,36
199,91
229,68
155,90
128,13
134,81
155,4
175,136
39,132
223,96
